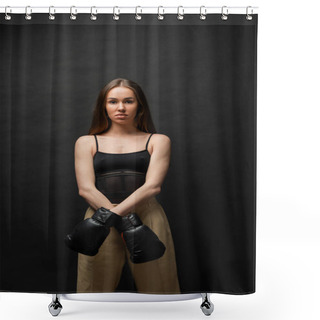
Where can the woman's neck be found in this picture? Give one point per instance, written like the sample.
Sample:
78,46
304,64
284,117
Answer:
121,130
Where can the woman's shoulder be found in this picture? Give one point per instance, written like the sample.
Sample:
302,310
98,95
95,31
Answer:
160,137
86,141
160,140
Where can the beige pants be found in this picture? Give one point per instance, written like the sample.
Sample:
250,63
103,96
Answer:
102,272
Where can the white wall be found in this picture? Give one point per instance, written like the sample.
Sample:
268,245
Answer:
288,209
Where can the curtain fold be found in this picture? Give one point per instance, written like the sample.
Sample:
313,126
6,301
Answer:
200,81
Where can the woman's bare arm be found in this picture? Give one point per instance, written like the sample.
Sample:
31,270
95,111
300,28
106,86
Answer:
84,150
157,170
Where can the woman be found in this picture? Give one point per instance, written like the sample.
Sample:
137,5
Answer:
121,166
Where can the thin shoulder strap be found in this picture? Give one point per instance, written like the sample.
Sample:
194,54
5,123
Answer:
148,141
96,142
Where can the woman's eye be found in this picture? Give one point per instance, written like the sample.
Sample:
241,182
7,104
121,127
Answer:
112,102
129,101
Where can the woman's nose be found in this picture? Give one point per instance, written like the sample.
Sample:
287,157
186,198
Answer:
121,106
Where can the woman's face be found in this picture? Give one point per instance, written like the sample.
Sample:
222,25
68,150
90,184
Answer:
121,105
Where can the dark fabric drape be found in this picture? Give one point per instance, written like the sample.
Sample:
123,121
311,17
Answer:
200,81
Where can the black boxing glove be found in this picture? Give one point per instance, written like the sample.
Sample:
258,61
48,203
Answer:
142,243
88,235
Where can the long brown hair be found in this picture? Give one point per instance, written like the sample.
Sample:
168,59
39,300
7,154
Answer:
101,122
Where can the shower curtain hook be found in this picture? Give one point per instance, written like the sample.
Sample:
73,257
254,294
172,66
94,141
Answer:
52,12
224,13
137,16
160,15
6,10
116,16
249,16
73,13
203,13
93,16
180,13
28,13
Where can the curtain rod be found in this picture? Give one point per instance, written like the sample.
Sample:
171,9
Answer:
130,10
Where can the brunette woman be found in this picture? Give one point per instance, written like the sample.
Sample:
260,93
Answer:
121,166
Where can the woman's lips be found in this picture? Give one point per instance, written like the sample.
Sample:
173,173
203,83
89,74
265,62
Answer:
121,116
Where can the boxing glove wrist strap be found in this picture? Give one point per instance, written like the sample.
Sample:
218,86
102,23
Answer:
131,221
106,217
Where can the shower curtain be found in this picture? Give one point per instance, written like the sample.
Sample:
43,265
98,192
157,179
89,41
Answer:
199,77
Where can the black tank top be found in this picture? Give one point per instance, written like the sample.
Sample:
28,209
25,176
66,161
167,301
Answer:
120,174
